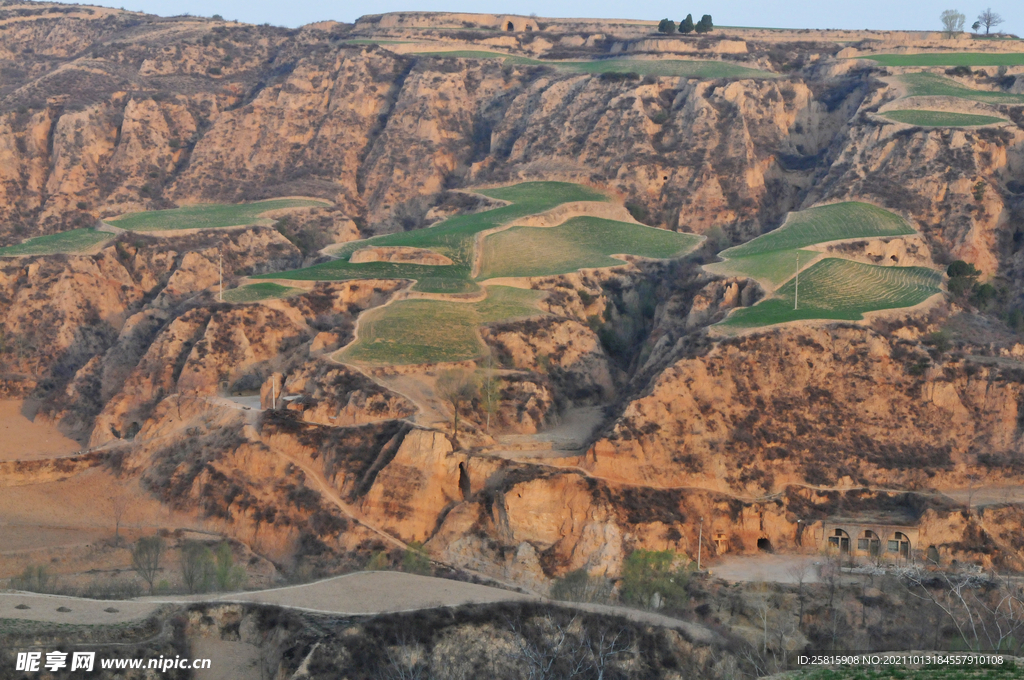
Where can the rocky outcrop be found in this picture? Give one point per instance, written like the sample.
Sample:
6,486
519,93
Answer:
329,394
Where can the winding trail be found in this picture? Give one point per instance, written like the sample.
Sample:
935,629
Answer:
358,594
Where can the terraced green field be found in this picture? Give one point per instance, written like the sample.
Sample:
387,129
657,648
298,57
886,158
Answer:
679,68
950,59
209,215
452,238
773,268
940,118
429,331
844,290
932,85
822,224
259,291
579,243
74,241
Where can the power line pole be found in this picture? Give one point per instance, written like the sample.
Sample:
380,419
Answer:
700,542
796,291
220,295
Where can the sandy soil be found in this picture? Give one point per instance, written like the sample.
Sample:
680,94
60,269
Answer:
24,438
773,568
67,523
378,591
83,612
229,659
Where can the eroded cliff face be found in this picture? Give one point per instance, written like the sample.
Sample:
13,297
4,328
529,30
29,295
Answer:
194,111
820,406
767,436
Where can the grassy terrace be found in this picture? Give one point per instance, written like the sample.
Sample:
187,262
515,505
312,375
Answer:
452,238
950,59
428,331
259,291
925,118
830,288
772,268
681,68
932,85
825,223
210,215
842,290
74,241
579,243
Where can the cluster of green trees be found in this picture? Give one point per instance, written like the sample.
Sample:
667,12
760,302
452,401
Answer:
651,579
963,284
686,26
202,569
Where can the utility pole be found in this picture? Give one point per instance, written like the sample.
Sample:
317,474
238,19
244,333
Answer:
220,257
796,291
700,542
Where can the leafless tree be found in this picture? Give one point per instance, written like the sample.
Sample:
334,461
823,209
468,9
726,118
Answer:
456,387
760,599
120,503
490,390
952,22
553,653
800,572
606,648
146,556
196,566
988,19
987,610
403,661
830,572
972,486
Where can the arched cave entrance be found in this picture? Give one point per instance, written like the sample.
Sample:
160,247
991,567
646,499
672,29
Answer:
869,543
899,544
765,545
464,485
840,541
510,27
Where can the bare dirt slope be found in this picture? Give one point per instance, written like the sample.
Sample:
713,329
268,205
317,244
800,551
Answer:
24,438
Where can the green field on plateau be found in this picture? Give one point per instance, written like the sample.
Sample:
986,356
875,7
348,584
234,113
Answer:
773,268
74,241
932,85
679,68
940,118
949,59
210,215
843,290
259,291
428,331
453,238
822,224
579,243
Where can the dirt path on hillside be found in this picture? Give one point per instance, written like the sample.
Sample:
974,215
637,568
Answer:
358,594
